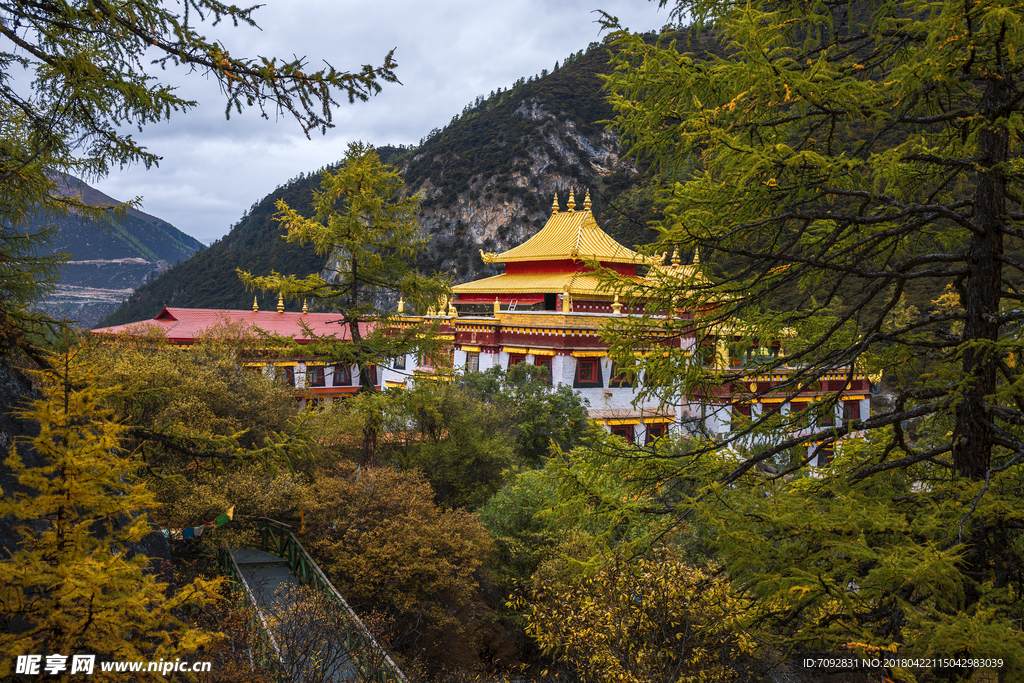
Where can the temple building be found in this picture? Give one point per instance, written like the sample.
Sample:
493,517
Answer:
548,309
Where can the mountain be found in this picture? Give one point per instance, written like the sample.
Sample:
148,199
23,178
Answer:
108,261
488,179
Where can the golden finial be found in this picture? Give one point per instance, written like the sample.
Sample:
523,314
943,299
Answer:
305,308
586,201
280,302
675,256
401,305
696,256
497,306
616,306
554,205
572,201
566,299
255,306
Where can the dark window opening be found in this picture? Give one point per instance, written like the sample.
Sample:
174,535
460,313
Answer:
400,362
286,375
740,416
550,301
620,378
825,456
851,412
315,377
515,359
544,363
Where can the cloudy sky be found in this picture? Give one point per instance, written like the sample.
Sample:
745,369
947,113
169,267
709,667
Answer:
448,53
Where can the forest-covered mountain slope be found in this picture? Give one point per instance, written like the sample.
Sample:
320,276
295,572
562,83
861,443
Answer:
487,178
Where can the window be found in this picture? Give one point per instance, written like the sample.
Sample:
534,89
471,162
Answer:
825,456
740,416
625,431
286,375
828,417
515,359
342,376
372,370
620,378
796,411
315,377
851,412
544,363
655,432
472,362
588,373
399,363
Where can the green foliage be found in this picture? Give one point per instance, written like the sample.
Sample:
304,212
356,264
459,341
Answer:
199,409
539,415
72,585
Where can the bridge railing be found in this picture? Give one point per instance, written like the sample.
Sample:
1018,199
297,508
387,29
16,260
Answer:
368,656
268,653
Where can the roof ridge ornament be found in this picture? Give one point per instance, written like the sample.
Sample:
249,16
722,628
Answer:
554,205
280,302
255,306
586,201
696,256
305,308
572,200
675,256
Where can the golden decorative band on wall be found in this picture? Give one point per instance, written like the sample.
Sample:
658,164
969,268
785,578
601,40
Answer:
626,421
513,349
472,349
542,352
589,354
658,420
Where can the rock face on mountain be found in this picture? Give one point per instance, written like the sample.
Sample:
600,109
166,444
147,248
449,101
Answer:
487,179
108,261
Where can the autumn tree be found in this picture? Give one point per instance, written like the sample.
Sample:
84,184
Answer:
646,620
367,228
76,79
73,585
846,156
390,548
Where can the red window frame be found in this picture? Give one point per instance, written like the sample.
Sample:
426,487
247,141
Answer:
624,431
315,376
851,412
587,374
545,363
740,415
287,374
342,376
623,378
515,359
655,432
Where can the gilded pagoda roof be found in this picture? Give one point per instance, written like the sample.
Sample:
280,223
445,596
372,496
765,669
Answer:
527,283
569,235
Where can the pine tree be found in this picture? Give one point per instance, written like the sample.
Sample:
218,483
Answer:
72,586
842,162
368,230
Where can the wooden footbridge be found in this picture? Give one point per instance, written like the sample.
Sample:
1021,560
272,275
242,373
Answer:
306,632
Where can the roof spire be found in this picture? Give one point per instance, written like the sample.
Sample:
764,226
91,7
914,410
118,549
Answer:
255,306
586,201
280,302
572,201
305,308
554,205
675,256
696,256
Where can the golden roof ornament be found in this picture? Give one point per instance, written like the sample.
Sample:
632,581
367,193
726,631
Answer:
305,308
586,201
452,311
255,306
401,305
497,306
616,306
280,302
554,205
696,256
572,201
675,256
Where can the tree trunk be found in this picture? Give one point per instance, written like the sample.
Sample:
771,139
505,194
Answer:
973,437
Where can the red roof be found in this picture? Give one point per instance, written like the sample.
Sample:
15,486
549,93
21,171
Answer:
183,325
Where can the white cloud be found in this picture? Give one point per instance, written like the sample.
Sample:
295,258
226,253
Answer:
448,51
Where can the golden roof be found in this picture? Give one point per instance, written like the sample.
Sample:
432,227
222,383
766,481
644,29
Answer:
569,235
676,274
529,283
